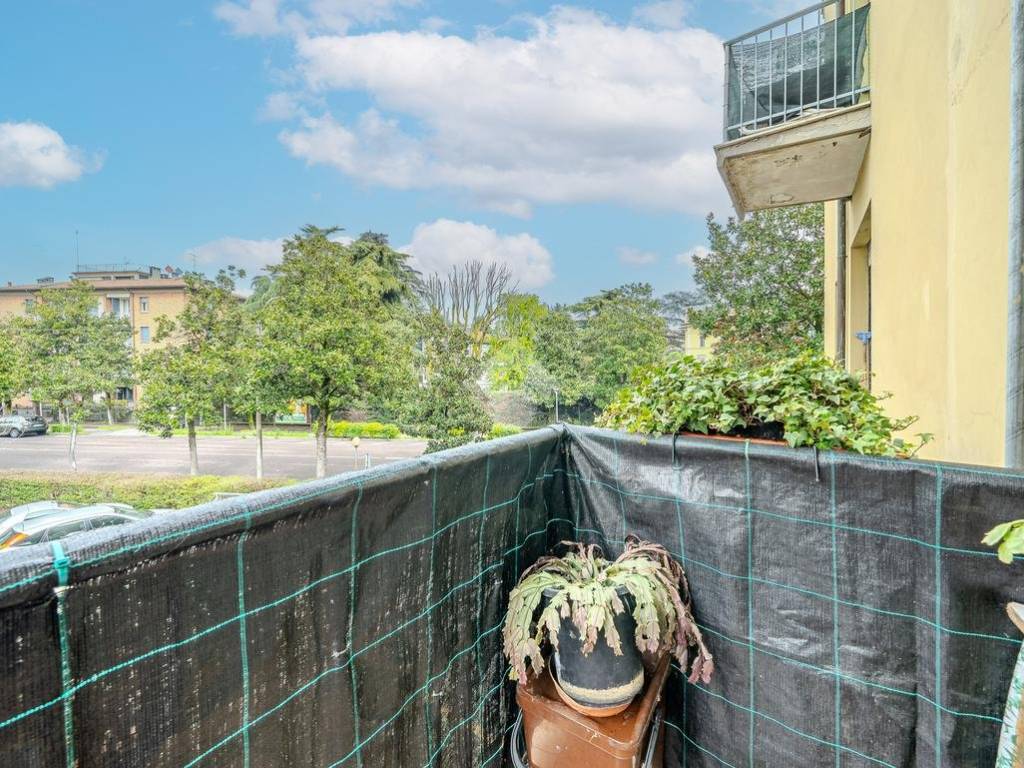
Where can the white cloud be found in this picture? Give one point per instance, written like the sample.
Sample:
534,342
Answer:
669,14
373,150
255,18
265,18
635,257
281,106
252,255
686,258
35,155
434,24
441,244
579,110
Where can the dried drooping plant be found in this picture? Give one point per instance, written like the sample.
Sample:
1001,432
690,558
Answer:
583,587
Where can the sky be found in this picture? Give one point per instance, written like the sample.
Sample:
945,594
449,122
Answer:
572,142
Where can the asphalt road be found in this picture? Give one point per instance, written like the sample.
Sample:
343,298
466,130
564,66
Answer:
135,452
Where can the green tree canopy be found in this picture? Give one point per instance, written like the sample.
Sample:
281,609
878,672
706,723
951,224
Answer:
326,325
13,361
400,282
621,330
188,378
763,281
452,408
110,357
559,362
59,331
513,341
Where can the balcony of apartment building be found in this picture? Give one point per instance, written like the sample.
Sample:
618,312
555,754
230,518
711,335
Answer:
797,110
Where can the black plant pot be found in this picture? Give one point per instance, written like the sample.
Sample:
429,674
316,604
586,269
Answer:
600,682
768,430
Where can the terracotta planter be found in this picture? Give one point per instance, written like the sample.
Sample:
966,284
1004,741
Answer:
557,736
760,435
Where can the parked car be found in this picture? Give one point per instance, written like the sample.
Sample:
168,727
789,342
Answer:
52,520
16,425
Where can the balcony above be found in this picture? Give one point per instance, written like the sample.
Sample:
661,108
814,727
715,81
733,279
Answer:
797,115
801,161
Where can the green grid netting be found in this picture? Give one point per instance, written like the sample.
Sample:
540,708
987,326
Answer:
356,621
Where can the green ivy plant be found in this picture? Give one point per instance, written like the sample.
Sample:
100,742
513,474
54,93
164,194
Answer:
816,402
1009,538
586,592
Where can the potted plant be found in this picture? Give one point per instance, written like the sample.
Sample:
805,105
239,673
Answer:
805,400
637,603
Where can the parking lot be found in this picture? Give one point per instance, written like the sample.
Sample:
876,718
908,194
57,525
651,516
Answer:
132,451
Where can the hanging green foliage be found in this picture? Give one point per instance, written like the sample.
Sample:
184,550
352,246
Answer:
815,402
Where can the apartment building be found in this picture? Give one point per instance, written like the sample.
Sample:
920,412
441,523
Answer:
897,115
138,294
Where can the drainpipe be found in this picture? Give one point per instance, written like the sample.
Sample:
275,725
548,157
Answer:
1014,446
841,282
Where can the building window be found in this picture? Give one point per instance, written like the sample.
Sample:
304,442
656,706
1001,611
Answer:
144,334
120,306
29,303
143,303
703,339
125,394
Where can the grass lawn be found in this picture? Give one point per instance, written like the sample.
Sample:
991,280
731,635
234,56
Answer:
144,492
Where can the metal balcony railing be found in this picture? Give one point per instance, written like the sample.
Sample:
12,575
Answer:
115,267
814,59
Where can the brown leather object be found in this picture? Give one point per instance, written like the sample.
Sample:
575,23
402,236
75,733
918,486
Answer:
559,737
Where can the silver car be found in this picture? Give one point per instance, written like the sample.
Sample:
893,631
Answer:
51,520
15,425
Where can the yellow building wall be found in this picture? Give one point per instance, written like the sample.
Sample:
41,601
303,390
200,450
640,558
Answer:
161,303
932,201
12,304
692,344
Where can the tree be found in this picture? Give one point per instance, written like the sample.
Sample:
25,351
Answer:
622,329
763,280
462,310
258,388
59,331
674,308
110,357
452,405
188,378
326,326
559,361
13,362
513,341
400,282
470,296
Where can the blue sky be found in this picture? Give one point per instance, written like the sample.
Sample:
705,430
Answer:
571,141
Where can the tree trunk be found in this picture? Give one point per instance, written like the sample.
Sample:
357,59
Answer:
259,445
71,446
225,411
110,411
193,449
321,443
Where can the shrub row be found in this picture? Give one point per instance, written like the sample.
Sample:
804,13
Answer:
369,429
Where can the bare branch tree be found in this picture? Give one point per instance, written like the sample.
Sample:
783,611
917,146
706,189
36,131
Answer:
470,296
